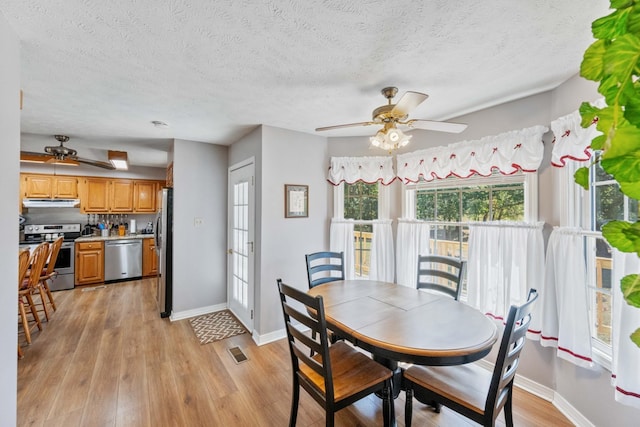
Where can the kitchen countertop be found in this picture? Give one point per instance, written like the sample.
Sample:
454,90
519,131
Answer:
100,238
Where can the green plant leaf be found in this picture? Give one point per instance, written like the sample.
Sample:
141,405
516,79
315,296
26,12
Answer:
588,113
582,177
610,88
630,286
633,21
592,66
598,142
622,235
621,4
631,189
611,26
635,337
621,57
625,168
632,106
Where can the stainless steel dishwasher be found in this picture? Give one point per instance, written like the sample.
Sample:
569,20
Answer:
122,259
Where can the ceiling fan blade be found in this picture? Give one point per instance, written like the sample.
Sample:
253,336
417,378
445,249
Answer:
30,156
407,103
346,126
437,126
98,163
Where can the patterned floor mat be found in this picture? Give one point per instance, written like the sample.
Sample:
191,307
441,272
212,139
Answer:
216,326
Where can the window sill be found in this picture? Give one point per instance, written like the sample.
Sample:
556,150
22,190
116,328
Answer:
601,358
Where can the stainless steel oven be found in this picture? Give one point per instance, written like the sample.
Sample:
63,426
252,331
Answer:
34,234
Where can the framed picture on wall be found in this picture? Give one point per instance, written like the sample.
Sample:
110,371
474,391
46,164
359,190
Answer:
296,201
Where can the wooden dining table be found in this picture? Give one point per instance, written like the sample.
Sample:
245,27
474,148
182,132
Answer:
401,324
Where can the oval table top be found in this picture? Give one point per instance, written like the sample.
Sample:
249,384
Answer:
406,325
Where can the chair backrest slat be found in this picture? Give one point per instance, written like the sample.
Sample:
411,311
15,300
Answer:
450,270
23,265
53,255
38,260
323,267
511,345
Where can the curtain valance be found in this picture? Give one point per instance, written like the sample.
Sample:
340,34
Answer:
508,152
365,169
571,140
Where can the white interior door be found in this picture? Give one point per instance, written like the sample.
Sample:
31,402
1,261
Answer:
240,267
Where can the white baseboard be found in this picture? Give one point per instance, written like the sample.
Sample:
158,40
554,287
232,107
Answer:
270,337
180,315
547,394
570,412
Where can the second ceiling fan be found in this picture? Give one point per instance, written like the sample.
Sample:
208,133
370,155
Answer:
391,115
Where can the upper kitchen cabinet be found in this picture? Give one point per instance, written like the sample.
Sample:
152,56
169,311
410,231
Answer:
94,195
65,187
144,196
49,186
121,195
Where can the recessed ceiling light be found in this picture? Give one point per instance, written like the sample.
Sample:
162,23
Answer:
159,124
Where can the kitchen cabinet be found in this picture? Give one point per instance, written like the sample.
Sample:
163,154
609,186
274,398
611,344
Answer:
144,200
65,187
89,266
49,186
149,258
121,195
95,195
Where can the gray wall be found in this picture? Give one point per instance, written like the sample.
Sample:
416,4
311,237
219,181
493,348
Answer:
284,157
9,161
199,253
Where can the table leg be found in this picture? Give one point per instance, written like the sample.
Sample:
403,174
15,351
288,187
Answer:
396,381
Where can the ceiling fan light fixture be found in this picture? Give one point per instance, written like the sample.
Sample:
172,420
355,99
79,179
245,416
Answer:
119,159
390,139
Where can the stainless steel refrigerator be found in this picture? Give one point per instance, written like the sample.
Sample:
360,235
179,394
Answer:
164,246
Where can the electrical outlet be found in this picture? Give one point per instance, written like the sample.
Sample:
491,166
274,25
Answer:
197,222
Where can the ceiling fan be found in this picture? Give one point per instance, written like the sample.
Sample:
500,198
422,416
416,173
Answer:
391,115
62,154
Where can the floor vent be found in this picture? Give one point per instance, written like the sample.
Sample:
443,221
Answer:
237,354
94,288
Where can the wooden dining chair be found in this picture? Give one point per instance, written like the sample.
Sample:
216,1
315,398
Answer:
28,286
335,376
469,389
23,266
441,273
49,272
323,267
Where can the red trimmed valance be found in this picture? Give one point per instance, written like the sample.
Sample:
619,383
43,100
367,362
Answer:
365,169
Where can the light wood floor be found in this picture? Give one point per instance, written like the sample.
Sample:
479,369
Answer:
106,358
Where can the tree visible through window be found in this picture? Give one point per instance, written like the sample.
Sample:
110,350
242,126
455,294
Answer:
361,203
466,204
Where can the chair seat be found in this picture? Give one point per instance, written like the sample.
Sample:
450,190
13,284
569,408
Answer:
466,385
352,371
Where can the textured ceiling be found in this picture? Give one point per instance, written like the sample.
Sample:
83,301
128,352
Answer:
101,71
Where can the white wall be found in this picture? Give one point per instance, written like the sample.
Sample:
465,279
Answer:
9,172
199,253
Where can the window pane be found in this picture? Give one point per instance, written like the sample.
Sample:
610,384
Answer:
475,205
609,204
603,317
361,201
362,245
601,175
507,203
448,206
426,205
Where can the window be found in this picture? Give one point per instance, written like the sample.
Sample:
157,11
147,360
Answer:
606,203
452,203
361,203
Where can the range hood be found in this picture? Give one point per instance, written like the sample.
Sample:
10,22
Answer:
50,203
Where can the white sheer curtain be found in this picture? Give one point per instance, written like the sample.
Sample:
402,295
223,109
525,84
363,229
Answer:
506,259
382,254
412,240
564,321
508,152
625,372
341,240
